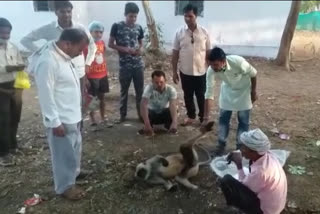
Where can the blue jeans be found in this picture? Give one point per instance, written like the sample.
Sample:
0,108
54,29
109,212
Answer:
224,125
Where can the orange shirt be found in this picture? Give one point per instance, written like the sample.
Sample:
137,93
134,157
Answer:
98,68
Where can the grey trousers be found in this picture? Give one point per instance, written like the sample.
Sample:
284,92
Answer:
125,77
65,156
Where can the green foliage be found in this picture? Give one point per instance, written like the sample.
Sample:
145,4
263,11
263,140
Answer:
309,6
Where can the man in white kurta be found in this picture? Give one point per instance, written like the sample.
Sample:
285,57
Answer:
52,31
59,95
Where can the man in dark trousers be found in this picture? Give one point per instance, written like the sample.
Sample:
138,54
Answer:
126,37
190,45
10,97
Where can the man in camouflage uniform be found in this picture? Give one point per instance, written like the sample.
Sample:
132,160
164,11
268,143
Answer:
126,37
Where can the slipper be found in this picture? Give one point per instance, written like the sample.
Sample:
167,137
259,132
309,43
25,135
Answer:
74,193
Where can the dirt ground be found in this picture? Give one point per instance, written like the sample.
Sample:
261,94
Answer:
289,101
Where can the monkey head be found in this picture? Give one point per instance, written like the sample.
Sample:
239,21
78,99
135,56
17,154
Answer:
145,170
142,171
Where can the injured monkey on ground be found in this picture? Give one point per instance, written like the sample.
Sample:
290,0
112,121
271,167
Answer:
176,167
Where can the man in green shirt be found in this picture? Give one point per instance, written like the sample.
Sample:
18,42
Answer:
237,93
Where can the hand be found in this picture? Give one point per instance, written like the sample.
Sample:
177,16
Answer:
173,128
137,52
235,157
12,68
87,69
254,96
129,51
203,125
148,130
175,77
59,131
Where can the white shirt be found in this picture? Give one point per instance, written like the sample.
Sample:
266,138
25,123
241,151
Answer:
9,55
192,56
235,91
58,87
158,101
53,31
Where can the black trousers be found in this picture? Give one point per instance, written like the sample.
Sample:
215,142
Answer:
193,85
125,77
164,117
239,195
10,113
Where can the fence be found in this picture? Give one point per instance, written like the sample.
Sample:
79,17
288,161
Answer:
309,21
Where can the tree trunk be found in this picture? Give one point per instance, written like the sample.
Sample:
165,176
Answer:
151,26
283,57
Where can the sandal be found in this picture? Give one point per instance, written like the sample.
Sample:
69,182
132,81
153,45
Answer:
74,193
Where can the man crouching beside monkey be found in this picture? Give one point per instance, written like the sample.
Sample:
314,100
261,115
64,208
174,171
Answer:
158,105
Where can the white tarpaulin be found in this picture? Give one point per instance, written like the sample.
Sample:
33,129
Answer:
220,165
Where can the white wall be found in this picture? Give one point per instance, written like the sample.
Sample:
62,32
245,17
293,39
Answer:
23,18
242,27
80,12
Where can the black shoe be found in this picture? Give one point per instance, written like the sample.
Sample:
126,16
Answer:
15,151
84,174
218,151
121,120
7,161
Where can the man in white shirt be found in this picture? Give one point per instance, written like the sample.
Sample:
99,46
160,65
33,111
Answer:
59,95
189,59
52,31
237,93
159,104
10,97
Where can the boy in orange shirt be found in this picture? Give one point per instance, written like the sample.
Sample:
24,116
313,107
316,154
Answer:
97,73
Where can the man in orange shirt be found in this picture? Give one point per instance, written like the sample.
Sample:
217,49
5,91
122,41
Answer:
98,74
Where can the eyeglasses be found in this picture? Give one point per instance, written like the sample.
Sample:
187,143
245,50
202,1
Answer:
192,39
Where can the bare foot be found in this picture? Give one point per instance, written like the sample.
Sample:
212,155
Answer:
188,122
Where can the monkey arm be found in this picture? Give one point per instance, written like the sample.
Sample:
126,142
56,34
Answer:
158,180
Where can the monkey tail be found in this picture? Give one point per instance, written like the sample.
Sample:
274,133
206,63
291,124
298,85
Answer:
209,159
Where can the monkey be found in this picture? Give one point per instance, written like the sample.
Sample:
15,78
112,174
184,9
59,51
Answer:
178,167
